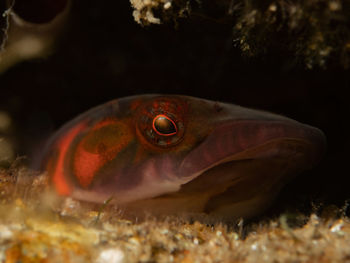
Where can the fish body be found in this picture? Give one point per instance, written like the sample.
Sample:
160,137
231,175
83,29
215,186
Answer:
172,154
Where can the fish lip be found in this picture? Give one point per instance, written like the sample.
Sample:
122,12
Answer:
231,139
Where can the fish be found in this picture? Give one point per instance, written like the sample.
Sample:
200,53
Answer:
176,154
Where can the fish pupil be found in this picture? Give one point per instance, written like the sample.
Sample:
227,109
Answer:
164,126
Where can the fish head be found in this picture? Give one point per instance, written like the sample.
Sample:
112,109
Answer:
174,153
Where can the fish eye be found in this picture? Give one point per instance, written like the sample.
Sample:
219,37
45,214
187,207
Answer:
164,126
161,122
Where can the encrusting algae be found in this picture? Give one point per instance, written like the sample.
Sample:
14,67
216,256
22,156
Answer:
35,227
314,32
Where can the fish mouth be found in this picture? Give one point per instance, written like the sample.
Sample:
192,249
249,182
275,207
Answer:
298,146
241,167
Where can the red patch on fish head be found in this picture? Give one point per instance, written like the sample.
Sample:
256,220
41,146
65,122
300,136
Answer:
98,146
56,166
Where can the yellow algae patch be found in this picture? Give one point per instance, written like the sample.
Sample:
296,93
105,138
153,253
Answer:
69,231
31,246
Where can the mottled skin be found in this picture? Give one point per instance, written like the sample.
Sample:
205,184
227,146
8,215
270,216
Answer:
210,157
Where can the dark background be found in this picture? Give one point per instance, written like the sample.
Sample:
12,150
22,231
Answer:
104,54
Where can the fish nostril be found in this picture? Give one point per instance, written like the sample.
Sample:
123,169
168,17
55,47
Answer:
218,107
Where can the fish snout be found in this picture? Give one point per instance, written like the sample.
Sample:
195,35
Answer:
256,139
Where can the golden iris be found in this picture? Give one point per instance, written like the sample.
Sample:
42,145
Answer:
164,126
